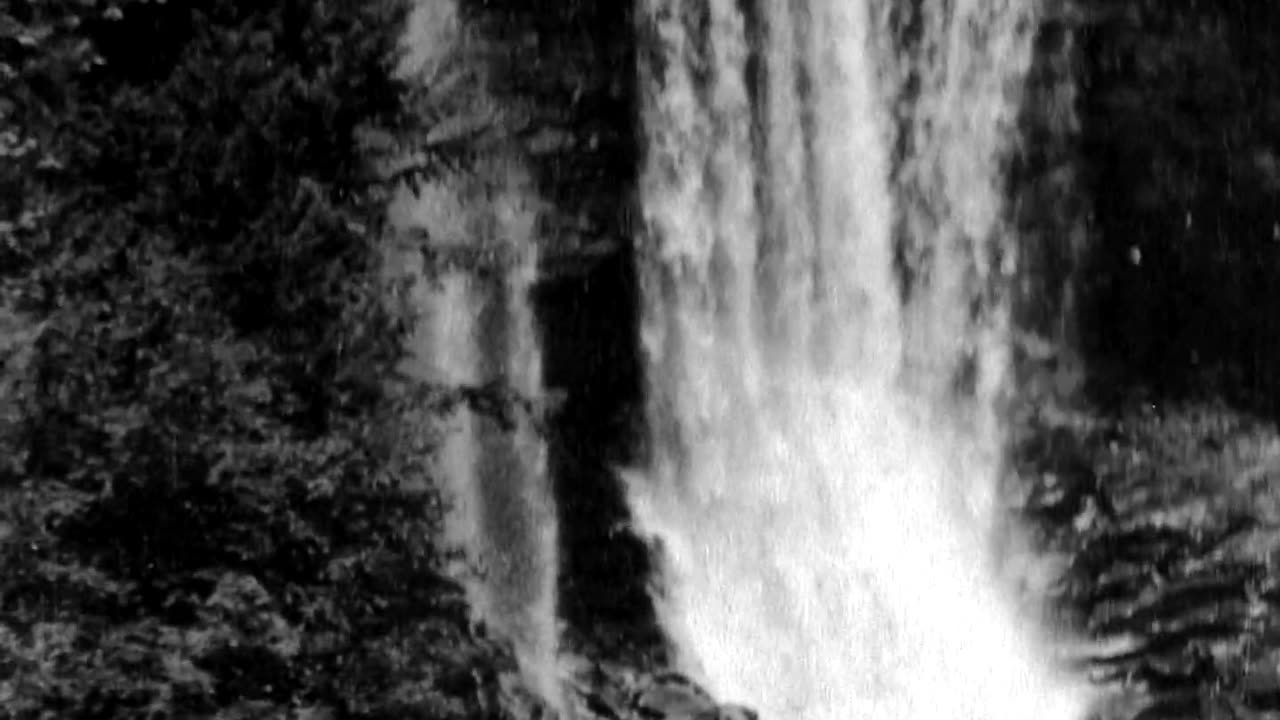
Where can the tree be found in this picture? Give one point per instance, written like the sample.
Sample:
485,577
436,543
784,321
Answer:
213,495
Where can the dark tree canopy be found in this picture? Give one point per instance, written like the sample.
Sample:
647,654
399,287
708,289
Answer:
211,498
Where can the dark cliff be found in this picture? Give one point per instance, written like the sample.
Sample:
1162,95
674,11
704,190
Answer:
1178,148
571,66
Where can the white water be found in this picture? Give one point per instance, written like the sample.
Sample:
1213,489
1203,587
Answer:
827,440
477,329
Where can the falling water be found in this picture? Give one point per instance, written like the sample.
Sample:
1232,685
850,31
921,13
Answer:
826,328
473,252
476,331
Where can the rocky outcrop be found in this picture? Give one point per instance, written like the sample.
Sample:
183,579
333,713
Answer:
614,693
1173,588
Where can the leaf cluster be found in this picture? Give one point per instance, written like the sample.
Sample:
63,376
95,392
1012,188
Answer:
212,495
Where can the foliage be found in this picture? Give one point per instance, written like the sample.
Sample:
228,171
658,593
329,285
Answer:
212,500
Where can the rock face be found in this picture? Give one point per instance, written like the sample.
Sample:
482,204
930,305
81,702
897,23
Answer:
567,66
1173,588
615,694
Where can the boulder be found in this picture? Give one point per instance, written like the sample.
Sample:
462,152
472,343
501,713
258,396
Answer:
671,696
732,712
613,693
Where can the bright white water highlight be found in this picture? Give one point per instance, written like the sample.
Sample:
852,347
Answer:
826,337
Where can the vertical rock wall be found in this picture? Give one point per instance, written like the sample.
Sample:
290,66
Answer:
569,68
1052,210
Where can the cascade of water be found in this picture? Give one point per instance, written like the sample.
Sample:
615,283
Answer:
826,337
477,329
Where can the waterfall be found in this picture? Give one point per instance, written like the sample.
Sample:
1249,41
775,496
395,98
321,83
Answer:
473,254
825,261
477,331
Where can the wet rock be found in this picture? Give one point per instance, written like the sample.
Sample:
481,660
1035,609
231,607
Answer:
1175,588
1188,704
614,692
1260,686
1063,494
733,712
672,696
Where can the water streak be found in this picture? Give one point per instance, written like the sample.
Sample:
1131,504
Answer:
474,253
826,330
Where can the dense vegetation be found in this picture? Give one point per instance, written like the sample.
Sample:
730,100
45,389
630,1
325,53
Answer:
212,504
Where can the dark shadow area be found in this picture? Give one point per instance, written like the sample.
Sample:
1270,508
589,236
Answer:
570,68
590,353
1179,133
